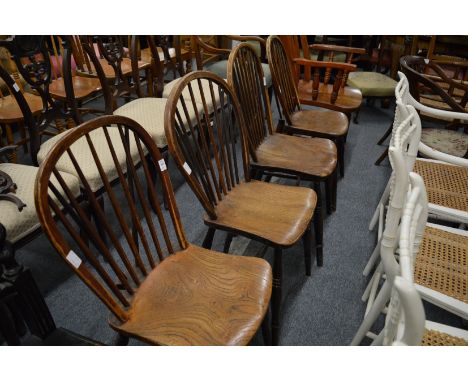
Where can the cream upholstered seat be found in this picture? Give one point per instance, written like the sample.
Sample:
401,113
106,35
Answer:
448,141
19,224
196,92
372,84
84,156
149,113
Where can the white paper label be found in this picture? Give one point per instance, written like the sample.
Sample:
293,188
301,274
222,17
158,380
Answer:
16,87
187,168
426,60
73,259
162,165
264,81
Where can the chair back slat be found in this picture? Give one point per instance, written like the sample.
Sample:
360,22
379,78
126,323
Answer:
115,238
208,147
282,76
246,77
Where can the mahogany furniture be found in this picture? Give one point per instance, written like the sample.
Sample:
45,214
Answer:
213,157
160,288
319,123
309,159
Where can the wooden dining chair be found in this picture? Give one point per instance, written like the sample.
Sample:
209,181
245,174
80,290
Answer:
160,288
213,157
431,86
84,87
331,92
317,122
309,159
11,117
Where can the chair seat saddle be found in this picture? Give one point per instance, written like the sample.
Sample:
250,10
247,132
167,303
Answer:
349,99
201,297
326,122
276,214
82,87
10,111
306,157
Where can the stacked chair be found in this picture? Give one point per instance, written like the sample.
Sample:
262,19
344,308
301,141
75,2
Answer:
438,253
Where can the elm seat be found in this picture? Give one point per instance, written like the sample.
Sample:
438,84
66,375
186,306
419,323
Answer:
149,113
372,84
316,157
220,68
10,112
447,141
252,206
327,122
227,294
84,156
20,224
82,86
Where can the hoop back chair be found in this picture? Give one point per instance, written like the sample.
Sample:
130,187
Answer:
317,123
150,278
213,157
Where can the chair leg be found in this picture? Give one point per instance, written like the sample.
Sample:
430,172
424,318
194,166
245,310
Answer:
121,340
307,242
276,295
381,158
385,136
330,193
208,241
227,242
356,116
318,225
340,145
266,330
335,188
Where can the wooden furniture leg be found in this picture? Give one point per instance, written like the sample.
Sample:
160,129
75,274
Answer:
276,295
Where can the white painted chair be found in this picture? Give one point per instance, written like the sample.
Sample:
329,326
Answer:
434,283
405,323
435,170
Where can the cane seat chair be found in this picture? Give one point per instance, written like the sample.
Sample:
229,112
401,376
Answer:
311,159
317,123
405,323
159,288
214,160
431,86
440,262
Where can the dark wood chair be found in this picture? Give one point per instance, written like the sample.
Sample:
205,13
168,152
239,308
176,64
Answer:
309,159
331,92
160,288
431,86
317,123
213,157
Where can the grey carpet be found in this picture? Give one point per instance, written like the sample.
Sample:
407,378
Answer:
323,309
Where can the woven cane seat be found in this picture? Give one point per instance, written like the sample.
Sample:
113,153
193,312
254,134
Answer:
442,263
446,185
435,338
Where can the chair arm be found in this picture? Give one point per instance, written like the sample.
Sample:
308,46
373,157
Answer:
338,48
211,49
437,113
438,155
325,64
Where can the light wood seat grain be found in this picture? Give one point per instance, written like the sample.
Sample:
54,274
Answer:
276,214
321,122
10,112
305,157
201,297
349,99
83,87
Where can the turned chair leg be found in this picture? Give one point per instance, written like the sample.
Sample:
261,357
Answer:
318,226
307,242
208,241
276,295
227,242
